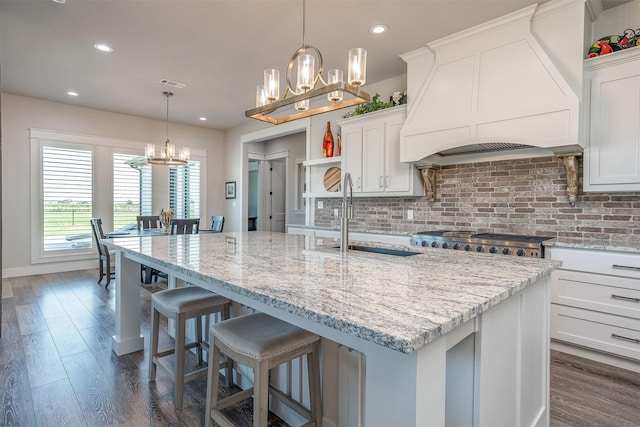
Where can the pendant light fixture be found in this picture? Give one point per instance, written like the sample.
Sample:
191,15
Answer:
310,85
168,155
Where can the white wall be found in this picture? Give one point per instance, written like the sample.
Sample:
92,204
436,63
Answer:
21,113
616,20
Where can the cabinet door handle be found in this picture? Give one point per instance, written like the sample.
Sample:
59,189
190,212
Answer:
625,267
358,183
380,181
622,297
621,337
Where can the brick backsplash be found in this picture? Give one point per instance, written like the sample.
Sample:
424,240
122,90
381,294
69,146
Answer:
524,196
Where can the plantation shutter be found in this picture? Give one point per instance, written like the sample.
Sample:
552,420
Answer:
184,190
146,191
127,189
67,197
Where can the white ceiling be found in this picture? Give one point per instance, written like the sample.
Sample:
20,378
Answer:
218,48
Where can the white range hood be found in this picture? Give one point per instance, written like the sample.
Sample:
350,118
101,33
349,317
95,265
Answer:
494,89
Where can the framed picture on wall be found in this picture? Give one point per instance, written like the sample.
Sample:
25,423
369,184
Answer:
230,190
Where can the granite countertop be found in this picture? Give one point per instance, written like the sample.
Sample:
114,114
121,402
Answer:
397,302
596,244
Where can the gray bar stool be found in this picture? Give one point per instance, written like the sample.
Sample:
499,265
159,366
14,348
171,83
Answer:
180,304
262,342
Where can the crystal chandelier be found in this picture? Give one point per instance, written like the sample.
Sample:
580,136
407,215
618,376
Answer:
310,85
168,155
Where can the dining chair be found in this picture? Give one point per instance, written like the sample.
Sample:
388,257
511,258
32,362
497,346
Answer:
104,254
184,226
149,222
217,223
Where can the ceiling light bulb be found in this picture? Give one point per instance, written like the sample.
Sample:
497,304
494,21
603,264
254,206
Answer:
103,47
378,29
72,93
203,119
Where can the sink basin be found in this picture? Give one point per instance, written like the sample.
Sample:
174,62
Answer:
384,251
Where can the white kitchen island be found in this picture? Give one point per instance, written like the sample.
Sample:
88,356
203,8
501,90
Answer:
448,338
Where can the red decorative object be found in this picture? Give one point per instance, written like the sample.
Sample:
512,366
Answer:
327,142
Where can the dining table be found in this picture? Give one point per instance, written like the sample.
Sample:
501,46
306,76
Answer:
129,231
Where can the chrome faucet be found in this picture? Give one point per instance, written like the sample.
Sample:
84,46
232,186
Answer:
347,212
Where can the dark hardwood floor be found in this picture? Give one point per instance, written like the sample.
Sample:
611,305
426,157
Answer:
57,367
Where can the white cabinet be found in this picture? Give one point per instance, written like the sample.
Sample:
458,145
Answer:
595,304
612,93
371,154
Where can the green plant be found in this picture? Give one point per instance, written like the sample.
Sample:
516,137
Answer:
374,105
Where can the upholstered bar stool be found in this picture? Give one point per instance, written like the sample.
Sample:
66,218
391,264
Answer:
262,342
181,304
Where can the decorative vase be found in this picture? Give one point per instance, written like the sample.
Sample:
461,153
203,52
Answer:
327,142
165,217
339,145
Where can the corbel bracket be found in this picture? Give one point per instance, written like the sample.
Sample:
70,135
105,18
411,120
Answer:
428,174
570,160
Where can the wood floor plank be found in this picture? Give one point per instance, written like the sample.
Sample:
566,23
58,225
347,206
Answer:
588,393
42,360
68,341
83,365
56,405
50,306
30,319
7,289
15,391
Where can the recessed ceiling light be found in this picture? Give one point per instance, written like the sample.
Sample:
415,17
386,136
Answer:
103,47
378,29
72,93
59,1
204,119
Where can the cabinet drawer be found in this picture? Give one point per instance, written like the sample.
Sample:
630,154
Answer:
599,331
623,264
614,295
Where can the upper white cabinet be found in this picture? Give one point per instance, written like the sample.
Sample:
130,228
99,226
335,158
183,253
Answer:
371,154
612,95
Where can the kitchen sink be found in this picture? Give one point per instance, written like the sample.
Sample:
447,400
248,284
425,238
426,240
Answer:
384,251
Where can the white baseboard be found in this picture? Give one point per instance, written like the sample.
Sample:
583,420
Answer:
607,359
59,267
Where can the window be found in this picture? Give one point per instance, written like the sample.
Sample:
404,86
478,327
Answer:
131,189
76,177
66,197
184,190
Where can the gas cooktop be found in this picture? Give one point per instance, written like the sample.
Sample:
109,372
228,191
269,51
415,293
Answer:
465,240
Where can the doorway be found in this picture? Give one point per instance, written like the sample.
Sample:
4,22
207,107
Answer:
273,183
276,195
289,141
267,196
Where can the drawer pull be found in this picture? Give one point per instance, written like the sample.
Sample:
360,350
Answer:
625,267
625,298
621,337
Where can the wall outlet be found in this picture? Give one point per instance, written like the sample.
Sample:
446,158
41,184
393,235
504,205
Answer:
320,204
335,212
410,214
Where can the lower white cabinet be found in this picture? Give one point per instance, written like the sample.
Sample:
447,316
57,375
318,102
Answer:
595,304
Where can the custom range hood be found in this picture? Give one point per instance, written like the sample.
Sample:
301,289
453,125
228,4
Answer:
492,92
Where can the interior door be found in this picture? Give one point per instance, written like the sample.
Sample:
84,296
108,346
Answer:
277,194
